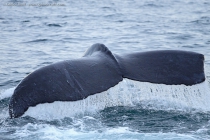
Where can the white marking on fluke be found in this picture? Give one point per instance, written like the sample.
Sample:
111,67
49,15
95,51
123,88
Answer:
130,93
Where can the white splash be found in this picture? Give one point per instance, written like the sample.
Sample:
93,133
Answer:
6,93
130,93
50,132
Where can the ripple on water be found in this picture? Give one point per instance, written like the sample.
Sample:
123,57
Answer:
54,25
205,20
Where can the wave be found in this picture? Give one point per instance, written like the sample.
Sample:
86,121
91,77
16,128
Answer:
54,25
38,40
205,20
118,133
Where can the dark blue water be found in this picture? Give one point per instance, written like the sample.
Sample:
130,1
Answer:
35,34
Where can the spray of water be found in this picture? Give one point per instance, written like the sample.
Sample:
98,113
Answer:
130,93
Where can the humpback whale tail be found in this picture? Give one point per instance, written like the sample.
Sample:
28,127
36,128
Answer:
98,70
169,67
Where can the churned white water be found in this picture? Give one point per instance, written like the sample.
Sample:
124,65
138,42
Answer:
6,93
130,93
119,133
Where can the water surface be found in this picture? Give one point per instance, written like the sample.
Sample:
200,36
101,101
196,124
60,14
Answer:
33,36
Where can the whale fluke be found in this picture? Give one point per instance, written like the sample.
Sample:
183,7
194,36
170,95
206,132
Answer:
98,70
170,67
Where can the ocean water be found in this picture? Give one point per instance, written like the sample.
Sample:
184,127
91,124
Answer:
35,34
